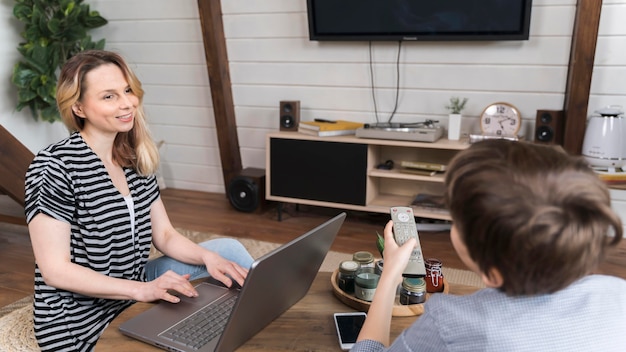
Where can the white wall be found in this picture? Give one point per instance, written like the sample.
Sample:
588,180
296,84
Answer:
271,59
163,41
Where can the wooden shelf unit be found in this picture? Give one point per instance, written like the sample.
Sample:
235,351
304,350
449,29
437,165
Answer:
381,188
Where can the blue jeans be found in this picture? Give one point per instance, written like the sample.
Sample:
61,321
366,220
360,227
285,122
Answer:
227,248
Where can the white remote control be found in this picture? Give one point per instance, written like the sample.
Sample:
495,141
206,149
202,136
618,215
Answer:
405,228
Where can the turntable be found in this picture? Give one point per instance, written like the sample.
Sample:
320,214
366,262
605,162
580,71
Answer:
426,131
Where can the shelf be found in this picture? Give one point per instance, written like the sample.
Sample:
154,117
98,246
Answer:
442,143
303,168
383,202
394,173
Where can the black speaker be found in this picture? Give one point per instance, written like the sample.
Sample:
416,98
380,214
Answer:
246,191
289,115
549,127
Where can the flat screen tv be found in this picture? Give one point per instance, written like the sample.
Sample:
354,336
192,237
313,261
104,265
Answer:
418,20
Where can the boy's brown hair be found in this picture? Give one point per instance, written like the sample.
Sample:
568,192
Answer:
539,216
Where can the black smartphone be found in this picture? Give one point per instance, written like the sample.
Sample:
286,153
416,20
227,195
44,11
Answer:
348,327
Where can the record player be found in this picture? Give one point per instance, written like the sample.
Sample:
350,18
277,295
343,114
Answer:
427,131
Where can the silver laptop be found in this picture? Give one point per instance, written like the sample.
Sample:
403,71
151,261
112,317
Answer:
275,282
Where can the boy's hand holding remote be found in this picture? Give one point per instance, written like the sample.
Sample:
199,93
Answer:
396,259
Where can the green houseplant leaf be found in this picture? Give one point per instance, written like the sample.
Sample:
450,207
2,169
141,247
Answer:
456,105
53,32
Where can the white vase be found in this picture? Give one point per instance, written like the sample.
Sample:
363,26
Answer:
454,127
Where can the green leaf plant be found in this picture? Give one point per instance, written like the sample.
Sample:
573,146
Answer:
456,105
54,31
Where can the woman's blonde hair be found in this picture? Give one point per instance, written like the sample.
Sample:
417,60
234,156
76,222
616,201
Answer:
134,148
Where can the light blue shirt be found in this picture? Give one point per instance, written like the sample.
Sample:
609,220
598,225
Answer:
589,315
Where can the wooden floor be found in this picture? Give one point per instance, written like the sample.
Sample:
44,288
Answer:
213,213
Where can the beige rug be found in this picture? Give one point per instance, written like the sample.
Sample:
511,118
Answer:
16,330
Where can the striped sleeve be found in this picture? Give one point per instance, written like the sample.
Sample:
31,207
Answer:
48,189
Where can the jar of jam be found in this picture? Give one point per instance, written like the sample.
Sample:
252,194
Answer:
346,275
413,291
365,260
434,275
365,285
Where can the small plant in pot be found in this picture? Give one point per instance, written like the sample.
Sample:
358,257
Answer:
455,107
53,32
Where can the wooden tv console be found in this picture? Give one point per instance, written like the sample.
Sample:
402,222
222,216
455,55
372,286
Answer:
342,172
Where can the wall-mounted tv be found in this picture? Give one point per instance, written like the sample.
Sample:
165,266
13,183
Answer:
418,20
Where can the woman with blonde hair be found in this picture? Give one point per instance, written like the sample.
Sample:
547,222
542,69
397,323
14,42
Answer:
93,209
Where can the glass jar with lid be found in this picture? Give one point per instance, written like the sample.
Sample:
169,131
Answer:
434,275
379,266
365,285
413,291
365,260
346,275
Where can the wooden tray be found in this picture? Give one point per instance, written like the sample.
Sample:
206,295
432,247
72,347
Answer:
399,310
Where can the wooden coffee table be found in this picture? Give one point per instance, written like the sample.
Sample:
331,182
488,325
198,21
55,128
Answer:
307,326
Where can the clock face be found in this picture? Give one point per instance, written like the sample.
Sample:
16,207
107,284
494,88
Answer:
500,119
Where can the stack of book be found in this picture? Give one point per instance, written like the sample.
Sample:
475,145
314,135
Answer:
422,167
329,128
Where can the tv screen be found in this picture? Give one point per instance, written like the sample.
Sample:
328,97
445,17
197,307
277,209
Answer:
418,20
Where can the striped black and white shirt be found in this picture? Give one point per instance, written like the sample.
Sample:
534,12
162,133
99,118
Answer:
68,182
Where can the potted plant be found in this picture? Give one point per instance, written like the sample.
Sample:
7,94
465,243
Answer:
54,31
455,107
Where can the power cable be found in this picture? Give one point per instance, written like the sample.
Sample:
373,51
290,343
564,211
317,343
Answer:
397,82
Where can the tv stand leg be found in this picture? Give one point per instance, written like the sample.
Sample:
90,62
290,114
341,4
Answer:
279,211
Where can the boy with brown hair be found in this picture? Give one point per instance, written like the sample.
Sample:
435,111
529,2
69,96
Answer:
534,223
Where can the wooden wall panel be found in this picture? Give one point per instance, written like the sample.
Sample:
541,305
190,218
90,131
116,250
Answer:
580,72
221,93
14,161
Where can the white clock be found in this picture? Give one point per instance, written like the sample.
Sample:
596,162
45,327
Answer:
500,119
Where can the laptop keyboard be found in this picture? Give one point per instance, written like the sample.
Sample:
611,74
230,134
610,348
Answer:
202,326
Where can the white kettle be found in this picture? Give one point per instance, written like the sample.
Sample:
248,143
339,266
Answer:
604,145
